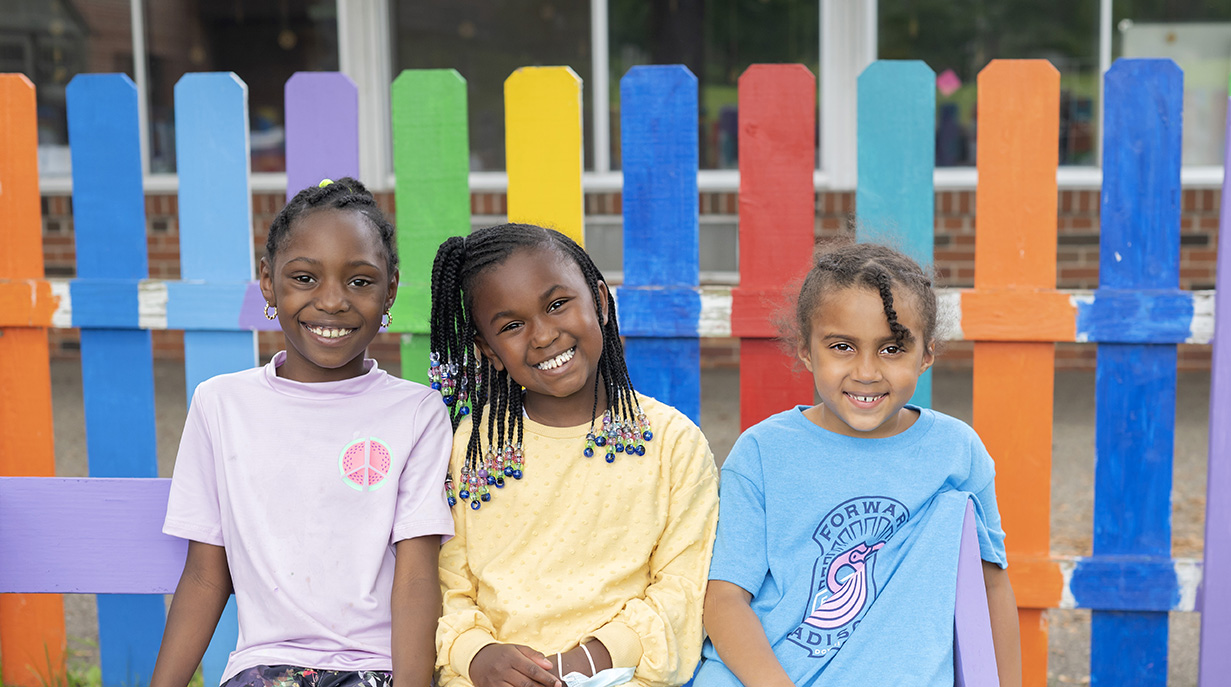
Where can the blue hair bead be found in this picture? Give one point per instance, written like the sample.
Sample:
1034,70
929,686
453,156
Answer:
452,501
486,496
589,452
641,450
647,435
499,483
463,494
610,457
464,411
600,440
491,480
619,448
448,400
474,505
436,386
517,474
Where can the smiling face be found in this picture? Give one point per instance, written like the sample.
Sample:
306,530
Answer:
537,319
863,376
331,283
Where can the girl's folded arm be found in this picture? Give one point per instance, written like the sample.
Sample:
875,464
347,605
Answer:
739,638
200,596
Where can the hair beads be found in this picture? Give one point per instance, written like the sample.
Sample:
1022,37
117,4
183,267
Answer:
456,364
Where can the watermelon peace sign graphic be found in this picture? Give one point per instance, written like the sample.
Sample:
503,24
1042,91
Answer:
364,464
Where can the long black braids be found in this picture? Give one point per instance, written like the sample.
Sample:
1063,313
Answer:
470,383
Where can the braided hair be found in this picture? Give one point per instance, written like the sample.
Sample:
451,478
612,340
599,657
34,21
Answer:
469,381
344,194
873,266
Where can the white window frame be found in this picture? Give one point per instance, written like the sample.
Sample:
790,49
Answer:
848,42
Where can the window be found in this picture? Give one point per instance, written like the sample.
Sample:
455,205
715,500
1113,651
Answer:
1197,35
717,40
264,42
485,41
957,38
51,41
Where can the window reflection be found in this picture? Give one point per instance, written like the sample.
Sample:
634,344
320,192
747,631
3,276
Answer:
51,41
263,41
717,40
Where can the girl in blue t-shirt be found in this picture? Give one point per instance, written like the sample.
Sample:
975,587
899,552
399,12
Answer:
836,554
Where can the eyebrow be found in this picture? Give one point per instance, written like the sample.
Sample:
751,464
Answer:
352,263
546,294
909,336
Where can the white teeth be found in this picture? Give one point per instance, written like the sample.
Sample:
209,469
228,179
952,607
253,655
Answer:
558,360
329,332
865,399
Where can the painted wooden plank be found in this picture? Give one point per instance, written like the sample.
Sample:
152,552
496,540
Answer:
777,211
1215,660
116,364
1015,248
215,202
431,158
658,125
974,656
81,536
894,198
32,636
322,129
542,120
1139,248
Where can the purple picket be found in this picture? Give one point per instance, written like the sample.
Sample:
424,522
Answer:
322,129
1215,606
974,660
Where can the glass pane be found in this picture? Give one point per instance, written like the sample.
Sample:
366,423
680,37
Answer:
717,40
485,41
50,41
957,38
1197,35
263,41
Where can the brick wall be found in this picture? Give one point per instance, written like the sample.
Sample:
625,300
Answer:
1077,255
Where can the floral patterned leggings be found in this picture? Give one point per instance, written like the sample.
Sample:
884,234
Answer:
292,676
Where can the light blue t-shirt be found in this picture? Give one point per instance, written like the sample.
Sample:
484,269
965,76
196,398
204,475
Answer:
849,546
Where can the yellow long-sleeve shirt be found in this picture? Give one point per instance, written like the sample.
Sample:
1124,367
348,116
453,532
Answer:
581,548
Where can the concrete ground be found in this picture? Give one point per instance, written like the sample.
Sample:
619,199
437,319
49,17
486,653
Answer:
1072,485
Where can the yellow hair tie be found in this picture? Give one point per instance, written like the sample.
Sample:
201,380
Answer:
324,183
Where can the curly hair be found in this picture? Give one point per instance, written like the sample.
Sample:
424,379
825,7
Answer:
344,194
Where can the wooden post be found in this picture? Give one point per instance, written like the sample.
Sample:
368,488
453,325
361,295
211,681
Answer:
215,201
1215,662
116,363
31,626
777,216
1139,248
431,157
1015,253
659,302
322,129
542,115
894,199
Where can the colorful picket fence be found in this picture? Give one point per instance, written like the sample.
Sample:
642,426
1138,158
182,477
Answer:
1014,313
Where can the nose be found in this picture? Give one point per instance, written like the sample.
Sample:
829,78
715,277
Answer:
331,297
867,367
543,333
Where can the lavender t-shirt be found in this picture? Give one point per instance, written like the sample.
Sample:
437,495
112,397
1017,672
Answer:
308,486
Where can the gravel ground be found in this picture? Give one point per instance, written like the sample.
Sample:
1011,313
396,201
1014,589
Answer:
1072,485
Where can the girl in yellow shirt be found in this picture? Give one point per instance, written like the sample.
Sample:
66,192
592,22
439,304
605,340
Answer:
585,512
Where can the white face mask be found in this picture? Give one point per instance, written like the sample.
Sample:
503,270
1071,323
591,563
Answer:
603,678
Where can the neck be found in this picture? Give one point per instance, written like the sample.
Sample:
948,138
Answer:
565,412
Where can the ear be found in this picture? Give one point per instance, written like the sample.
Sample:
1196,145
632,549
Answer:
267,281
604,296
392,294
929,357
487,351
804,353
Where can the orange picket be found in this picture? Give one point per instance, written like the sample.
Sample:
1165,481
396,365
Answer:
1015,247
32,639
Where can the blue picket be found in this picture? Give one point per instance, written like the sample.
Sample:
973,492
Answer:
894,198
215,200
659,302
1135,383
116,364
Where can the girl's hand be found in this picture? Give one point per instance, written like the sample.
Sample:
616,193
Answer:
575,660
511,665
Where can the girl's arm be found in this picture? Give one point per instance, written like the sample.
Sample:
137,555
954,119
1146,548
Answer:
739,638
200,596
1006,635
416,609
